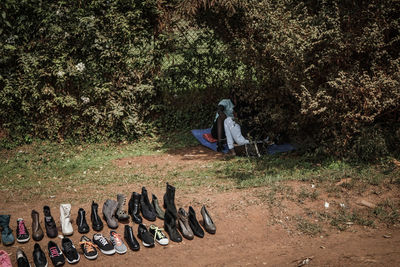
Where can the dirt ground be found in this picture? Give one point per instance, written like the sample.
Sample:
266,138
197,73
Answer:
250,232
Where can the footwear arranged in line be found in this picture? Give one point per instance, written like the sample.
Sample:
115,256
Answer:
116,241
69,250
134,208
83,227
145,236
130,238
39,258
37,231
5,259
55,254
147,209
103,244
194,224
22,233
109,209
121,213
97,223
65,219
183,223
7,237
88,248
22,260
170,227
49,223
176,223
158,235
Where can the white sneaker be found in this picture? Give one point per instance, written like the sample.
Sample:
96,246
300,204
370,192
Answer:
65,219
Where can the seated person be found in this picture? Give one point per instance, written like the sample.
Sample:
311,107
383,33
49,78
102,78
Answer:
224,127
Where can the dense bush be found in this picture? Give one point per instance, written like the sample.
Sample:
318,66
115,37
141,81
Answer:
77,68
326,70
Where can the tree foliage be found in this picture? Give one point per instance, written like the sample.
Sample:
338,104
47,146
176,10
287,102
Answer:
327,70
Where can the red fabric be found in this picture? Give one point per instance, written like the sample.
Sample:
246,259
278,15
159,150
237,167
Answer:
209,138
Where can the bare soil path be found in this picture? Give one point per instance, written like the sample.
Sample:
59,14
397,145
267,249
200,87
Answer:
250,232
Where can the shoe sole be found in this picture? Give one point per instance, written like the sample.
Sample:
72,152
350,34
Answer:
107,252
147,245
163,243
23,240
91,257
68,233
121,252
73,261
97,228
8,243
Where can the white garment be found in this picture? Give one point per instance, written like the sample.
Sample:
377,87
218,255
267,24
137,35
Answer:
233,133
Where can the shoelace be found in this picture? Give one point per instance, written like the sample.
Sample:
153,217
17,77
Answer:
89,246
158,232
21,227
54,252
117,239
103,240
3,259
68,246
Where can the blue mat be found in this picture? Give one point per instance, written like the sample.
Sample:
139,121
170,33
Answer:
272,149
198,133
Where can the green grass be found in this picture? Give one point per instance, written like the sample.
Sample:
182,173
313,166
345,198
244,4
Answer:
52,166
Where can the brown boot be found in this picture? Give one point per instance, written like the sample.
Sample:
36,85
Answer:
37,232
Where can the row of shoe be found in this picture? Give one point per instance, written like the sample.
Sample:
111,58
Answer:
113,212
115,244
39,258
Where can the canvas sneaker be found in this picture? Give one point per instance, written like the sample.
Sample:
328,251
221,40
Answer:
70,251
5,260
88,248
22,260
22,231
117,242
103,244
145,236
158,235
55,253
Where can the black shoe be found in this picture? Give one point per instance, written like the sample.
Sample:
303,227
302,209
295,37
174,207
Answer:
70,251
207,221
194,224
145,236
83,227
55,253
133,209
22,232
148,211
50,224
103,244
39,258
170,227
88,248
97,223
22,260
130,238
169,200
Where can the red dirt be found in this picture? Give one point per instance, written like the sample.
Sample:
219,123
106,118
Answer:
249,231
